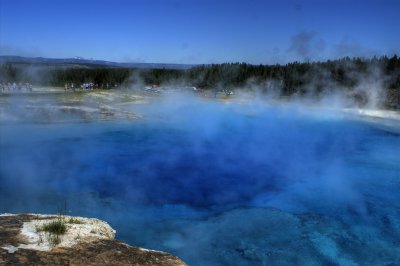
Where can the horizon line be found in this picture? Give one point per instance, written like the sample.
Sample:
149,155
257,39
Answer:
199,64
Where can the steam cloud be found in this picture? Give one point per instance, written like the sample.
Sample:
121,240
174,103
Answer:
200,174
187,151
305,44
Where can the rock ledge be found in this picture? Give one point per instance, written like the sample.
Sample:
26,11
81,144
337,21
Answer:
87,241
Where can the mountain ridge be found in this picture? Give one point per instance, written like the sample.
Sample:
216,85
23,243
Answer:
91,62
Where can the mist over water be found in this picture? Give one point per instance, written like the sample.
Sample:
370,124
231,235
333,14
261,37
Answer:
240,182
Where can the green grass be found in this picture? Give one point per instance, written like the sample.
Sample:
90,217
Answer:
54,230
54,227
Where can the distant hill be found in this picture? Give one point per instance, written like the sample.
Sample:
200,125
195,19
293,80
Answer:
87,63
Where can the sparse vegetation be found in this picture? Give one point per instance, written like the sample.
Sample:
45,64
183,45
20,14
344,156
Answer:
54,230
73,220
55,227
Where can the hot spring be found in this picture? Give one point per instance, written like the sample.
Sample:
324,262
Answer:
218,183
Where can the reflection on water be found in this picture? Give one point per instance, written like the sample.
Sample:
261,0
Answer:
217,185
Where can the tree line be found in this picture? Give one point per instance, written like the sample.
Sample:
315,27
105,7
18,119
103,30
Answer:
296,78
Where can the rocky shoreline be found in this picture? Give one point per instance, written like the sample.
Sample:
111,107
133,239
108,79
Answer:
87,241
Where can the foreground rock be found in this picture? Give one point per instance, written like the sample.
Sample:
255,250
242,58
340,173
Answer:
86,242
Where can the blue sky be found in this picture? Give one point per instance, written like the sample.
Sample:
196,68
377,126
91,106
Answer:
199,31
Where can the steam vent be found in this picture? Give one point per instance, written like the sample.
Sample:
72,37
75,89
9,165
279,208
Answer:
28,239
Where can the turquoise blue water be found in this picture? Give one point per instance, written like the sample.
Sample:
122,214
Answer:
219,184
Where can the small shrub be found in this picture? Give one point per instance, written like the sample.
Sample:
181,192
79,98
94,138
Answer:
54,227
54,230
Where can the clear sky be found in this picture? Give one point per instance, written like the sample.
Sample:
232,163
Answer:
200,31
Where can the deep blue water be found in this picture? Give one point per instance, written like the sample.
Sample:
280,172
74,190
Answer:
218,184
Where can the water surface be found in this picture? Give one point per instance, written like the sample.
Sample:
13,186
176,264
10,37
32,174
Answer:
218,184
